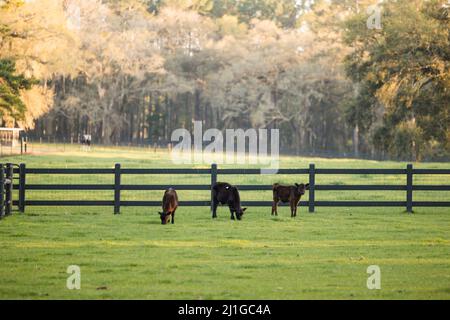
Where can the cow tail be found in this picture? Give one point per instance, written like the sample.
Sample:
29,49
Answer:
214,190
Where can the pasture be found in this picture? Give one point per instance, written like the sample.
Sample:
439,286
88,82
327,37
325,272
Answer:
132,256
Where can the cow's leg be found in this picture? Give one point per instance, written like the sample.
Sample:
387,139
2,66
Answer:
173,217
274,207
297,201
215,204
292,205
232,213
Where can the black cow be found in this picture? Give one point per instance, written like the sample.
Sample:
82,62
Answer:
225,193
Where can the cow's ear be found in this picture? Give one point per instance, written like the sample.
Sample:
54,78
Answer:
297,185
244,209
307,186
160,213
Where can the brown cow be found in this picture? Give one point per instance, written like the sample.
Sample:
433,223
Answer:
225,193
169,206
291,194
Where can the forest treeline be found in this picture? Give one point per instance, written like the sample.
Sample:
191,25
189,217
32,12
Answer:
132,71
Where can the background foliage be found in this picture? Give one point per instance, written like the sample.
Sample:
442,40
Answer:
132,71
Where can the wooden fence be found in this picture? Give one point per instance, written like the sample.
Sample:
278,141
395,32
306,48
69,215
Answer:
11,173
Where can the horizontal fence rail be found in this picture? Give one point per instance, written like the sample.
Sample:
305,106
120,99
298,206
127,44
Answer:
144,187
15,177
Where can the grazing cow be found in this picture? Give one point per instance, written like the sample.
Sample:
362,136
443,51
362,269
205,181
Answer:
169,206
225,193
291,194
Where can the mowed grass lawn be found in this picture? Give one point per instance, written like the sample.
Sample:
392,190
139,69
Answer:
131,255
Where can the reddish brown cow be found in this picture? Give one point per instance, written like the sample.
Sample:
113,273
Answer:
291,194
169,206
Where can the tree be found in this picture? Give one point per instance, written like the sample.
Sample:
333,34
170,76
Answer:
34,35
404,73
11,105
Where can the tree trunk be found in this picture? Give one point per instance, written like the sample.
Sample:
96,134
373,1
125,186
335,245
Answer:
356,141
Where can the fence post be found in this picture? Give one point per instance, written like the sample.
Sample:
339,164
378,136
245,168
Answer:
21,145
22,179
312,184
9,187
409,188
213,182
2,191
117,188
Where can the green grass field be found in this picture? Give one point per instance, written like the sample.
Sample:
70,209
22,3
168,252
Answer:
314,256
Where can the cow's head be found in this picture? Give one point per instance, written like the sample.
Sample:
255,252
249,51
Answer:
240,213
301,188
164,217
